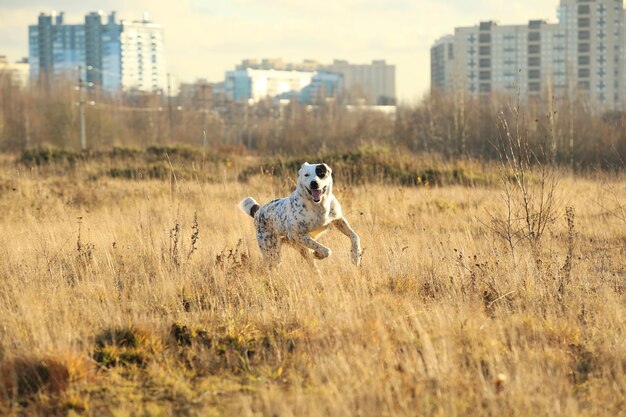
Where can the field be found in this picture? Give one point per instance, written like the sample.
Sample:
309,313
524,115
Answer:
136,294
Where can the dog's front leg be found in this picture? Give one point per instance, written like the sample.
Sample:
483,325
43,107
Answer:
319,251
356,252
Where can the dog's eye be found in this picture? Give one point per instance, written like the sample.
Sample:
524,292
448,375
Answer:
307,175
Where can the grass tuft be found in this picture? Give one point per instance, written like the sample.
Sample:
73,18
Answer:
124,346
23,378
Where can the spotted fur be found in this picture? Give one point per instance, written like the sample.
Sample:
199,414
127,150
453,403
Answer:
301,217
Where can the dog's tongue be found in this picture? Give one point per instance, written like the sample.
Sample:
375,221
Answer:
317,194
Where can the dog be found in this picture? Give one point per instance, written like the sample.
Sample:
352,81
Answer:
301,217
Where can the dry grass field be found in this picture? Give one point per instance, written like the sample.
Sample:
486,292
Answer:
149,297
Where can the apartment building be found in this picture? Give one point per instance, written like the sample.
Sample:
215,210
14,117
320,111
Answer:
441,59
143,64
54,48
581,54
125,55
596,47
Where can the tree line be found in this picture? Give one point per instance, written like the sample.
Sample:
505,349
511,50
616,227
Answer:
567,131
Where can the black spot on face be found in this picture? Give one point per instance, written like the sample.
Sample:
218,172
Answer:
321,170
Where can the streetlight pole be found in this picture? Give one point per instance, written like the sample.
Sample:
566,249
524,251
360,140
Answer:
169,105
81,107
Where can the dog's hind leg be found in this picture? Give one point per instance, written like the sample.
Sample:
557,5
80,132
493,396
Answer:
270,248
308,257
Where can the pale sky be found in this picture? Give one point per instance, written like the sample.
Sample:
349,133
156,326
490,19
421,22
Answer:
203,39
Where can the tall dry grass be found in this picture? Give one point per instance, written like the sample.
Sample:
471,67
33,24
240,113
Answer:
108,306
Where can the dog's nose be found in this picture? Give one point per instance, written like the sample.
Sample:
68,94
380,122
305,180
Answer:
314,185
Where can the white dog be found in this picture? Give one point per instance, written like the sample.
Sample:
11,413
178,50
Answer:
301,217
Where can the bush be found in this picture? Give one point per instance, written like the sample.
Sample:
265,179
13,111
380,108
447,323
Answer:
369,165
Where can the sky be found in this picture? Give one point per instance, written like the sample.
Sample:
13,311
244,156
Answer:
203,39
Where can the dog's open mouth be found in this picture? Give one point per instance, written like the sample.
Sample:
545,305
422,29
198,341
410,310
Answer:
316,194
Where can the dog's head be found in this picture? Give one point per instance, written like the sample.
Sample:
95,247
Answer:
315,181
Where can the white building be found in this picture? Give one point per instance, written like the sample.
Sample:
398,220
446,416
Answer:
584,53
257,84
17,71
596,49
375,82
143,65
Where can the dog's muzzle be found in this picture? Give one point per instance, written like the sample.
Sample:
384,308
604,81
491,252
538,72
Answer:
316,194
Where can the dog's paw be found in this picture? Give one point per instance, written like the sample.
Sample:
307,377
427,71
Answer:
322,253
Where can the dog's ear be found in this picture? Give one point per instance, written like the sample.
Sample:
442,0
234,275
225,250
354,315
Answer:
330,171
302,166
321,170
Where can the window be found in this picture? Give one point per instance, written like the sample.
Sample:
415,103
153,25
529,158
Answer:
583,60
485,75
583,85
584,22
534,61
485,50
485,63
583,35
583,72
534,74
485,88
534,36
584,9
484,38
534,49
534,86
583,47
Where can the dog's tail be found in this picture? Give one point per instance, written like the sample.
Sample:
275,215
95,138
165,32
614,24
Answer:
249,206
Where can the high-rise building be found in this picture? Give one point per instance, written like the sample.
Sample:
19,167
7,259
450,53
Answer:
596,47
142,55
114,55
441,58
54,48
581,54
